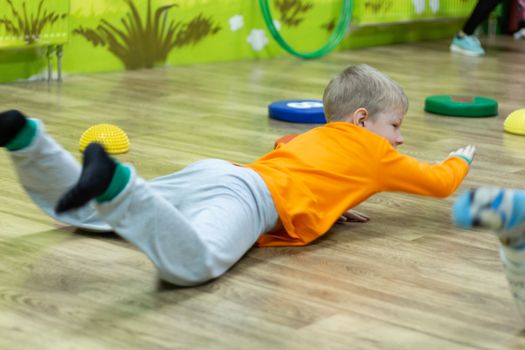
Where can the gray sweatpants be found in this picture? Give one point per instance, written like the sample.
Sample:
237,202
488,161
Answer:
193,224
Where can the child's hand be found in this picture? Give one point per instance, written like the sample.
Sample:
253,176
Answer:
353,216
467,153
284,139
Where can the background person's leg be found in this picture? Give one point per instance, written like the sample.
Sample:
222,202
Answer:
465,42
480,13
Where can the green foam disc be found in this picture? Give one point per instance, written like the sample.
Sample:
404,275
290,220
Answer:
461,106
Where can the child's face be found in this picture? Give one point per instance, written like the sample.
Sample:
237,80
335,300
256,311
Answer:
387,125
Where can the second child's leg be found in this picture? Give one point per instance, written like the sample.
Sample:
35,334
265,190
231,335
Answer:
503,211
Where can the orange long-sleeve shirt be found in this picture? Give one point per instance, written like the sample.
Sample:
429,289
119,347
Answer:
320,174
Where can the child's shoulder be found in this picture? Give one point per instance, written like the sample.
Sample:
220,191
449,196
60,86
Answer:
340,133
354,132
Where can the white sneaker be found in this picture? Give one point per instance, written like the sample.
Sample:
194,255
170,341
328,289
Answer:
520,34
467,45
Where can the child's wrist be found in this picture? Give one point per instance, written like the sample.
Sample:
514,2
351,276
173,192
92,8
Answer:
465,158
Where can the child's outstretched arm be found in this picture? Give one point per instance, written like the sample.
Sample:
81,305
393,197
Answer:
398,172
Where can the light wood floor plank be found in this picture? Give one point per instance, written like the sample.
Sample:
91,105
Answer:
407,279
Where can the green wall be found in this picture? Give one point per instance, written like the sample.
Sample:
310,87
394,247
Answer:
110,35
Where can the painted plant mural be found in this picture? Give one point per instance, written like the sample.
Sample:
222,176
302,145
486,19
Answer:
291,11
28,24
145,42
377,6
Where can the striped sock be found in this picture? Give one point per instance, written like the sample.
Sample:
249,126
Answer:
502,210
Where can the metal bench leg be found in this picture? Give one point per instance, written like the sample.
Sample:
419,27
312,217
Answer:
49,65
60,53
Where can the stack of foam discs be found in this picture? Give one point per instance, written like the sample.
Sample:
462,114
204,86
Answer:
461,106
298,111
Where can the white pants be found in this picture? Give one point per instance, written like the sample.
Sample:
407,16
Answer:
193,224
515,273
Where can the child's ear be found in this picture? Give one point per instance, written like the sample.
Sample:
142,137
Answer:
360,116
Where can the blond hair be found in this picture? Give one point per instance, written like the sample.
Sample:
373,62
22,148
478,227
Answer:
362,86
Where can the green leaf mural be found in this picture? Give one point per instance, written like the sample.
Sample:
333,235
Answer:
329,27
29,24
144,43
190,29
93,8
376,6
291,11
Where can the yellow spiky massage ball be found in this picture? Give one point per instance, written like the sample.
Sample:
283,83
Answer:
113,138
515,122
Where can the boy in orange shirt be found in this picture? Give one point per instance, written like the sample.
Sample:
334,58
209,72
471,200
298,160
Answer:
196,223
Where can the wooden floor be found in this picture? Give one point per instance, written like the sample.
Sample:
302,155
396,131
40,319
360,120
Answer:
407,279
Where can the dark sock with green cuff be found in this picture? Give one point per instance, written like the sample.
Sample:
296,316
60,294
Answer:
118,182
102,178
16,131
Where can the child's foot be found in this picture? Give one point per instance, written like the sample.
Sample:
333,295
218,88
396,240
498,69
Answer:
501,210
11,123
98,169
467,45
